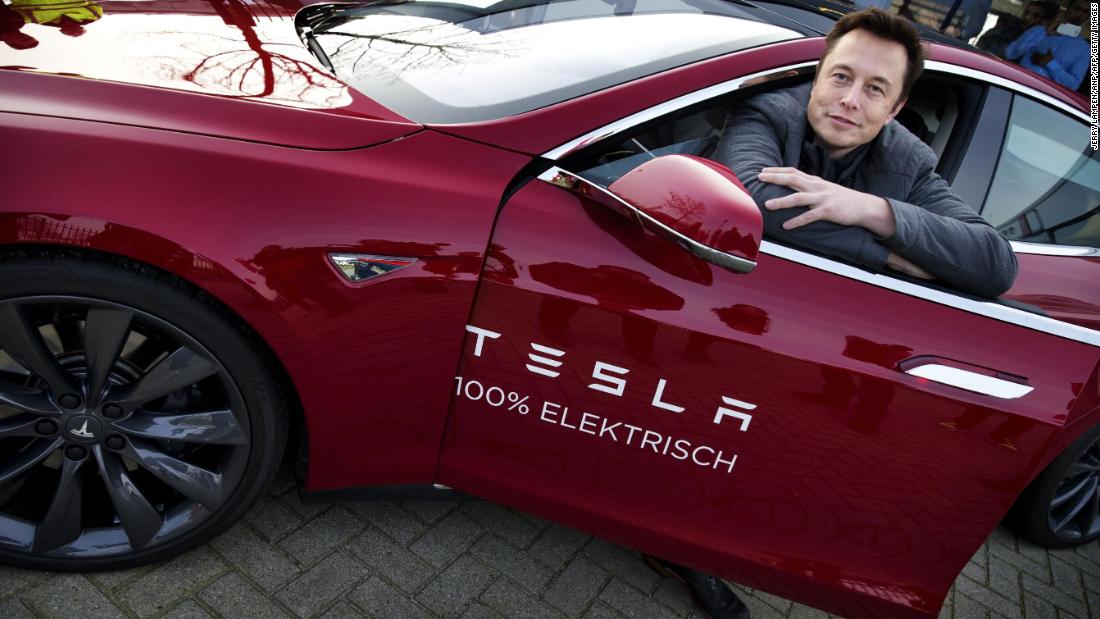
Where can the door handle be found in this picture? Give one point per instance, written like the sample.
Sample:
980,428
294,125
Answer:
966,376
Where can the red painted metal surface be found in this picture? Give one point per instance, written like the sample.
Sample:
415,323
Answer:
856,488
1062,286
252,225
237,118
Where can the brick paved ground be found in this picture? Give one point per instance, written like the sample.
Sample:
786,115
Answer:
474,559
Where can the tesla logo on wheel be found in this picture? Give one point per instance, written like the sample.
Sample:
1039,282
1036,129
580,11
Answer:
83,432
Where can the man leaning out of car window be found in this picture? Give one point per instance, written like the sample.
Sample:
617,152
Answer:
833,173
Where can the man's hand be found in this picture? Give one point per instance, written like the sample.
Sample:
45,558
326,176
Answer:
1041,59
828,202
898,263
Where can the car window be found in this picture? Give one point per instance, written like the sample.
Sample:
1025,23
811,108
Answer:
693,130
1046,188
936,114
694,133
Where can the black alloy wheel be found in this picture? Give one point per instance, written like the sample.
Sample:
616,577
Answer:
125,435
1075,508
1061,507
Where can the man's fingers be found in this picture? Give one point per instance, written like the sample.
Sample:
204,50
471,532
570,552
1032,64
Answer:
809,216
795,199
788,177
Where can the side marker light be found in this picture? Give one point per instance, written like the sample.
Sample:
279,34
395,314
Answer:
362,267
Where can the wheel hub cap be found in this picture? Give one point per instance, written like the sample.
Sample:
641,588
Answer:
83,429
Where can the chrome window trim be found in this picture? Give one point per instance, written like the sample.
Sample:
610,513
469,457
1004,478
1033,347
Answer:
971,381
988,309
1043,249
954,69
569,181
729,86
661,109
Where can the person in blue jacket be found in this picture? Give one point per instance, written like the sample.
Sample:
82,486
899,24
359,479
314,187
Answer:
1009,27
1059,54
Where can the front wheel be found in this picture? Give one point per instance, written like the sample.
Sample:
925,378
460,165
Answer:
1061,507
137,419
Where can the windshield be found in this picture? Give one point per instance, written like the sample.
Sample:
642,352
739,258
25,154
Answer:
463,62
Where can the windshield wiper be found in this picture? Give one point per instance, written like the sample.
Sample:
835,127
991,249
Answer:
316,17
315,48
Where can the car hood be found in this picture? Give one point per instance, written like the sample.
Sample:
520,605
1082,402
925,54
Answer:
218,67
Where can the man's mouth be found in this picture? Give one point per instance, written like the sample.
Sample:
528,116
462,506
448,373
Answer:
842,121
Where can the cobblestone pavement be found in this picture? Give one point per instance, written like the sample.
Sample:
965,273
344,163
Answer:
474,559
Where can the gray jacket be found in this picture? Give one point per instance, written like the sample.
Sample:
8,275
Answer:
936,230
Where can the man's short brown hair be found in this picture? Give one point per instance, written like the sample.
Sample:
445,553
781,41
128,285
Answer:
885,26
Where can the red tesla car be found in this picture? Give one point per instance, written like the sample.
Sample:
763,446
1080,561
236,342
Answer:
478,248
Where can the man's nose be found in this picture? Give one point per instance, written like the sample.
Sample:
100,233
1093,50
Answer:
851,97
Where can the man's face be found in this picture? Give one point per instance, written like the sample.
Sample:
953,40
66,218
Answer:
1033,15
857,91
1077,13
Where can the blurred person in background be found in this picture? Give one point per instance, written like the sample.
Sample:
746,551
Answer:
960,19
1009,27
1056,50
878,4
965,18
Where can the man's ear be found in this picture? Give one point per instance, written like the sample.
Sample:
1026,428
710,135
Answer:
897,108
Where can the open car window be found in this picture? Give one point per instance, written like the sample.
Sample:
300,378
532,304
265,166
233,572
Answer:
940,111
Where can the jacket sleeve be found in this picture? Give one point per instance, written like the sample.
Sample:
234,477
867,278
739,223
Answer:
1026,43
1070,70
938,232
751,143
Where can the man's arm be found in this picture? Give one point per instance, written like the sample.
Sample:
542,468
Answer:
751,143
931,234
1026,43
1069,67
939,233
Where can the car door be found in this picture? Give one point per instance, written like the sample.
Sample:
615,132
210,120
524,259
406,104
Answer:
837,437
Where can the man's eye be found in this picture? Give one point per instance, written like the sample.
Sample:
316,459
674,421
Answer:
840,77
877,90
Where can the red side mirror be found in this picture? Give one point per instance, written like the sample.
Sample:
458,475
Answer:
698,204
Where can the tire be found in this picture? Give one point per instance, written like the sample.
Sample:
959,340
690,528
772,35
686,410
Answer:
138,418
1061,507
